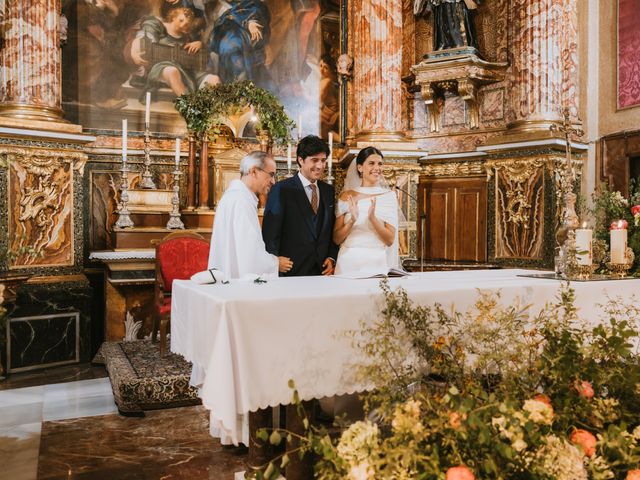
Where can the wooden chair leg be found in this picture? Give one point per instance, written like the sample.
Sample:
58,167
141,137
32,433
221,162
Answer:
164,323
155,326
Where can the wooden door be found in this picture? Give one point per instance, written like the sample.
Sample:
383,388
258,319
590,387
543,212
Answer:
453,213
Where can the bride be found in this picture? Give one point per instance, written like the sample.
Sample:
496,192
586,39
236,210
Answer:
366,225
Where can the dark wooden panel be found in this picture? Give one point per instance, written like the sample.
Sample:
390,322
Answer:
456,219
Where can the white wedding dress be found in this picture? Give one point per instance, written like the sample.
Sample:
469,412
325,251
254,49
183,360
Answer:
363,254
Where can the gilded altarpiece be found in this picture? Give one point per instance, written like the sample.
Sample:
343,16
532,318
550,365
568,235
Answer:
41,207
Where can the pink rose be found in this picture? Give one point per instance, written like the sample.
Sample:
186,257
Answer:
460,473
585,440
633,474
635,210
541,397
619,225
456,419
584,388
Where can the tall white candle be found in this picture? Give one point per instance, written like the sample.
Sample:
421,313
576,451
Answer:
618,245
288,156
330,162
584,242
124,139
147,111
299,126
177,152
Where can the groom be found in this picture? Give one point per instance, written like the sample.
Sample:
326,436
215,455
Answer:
299,215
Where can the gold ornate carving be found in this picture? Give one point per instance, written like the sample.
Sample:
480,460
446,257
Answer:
463,74
454,169
41,205
519,206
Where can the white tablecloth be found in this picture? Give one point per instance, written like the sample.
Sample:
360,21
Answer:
247,340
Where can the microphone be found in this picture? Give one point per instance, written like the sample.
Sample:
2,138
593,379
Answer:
423,225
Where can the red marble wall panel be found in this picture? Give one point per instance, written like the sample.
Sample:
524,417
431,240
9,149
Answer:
31,54
377,47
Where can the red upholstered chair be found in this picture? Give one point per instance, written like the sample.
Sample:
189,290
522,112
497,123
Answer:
178,256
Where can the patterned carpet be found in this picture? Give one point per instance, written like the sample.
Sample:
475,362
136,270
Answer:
142,380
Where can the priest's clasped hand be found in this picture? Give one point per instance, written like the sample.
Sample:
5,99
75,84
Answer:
284,264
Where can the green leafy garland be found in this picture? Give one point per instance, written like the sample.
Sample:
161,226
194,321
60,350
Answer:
206,107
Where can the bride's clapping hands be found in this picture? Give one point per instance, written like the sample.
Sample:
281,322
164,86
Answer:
353,209
372,209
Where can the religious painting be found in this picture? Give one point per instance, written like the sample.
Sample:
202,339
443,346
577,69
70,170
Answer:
628,53
118,50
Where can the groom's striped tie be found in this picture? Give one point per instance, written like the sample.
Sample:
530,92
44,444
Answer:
314,197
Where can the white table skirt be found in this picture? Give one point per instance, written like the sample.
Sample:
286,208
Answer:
247,340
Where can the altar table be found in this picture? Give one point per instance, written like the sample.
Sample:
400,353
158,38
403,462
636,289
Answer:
246,340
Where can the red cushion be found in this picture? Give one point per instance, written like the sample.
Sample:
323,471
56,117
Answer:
180,258
165,307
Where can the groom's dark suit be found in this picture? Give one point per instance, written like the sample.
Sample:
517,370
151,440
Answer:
290,228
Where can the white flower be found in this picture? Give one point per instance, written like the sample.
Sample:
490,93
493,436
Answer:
539,412
636,433
361,471
560,460
519,445
358,442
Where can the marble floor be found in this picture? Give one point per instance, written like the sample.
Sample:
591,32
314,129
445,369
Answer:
72,430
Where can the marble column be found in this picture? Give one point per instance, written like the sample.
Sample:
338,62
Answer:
30,86
544,46
376,30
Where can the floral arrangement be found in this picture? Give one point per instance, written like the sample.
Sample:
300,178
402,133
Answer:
493,393
206,107
611,208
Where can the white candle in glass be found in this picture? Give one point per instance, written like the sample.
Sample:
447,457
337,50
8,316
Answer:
288,156
147,111
584,242
124,139
177,152
618,238
330,162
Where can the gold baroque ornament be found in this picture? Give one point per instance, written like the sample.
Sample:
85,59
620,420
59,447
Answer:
454,169
41,205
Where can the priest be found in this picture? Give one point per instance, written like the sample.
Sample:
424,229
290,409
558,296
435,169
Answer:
237,248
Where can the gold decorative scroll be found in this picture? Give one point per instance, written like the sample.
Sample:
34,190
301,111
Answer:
519,196
40,205
454,169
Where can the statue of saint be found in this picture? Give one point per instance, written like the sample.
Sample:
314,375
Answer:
452,22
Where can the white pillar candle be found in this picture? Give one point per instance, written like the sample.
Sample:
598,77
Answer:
177,152
299,126
147,111
618,245
584,242
288,156
124,139
330,162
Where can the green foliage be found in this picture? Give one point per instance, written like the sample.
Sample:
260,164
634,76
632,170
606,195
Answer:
496,390
206,107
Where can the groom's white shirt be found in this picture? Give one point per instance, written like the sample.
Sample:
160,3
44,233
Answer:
237,247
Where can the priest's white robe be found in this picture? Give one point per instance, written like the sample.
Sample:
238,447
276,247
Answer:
237,247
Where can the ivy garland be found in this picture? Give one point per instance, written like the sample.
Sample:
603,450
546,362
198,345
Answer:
206,107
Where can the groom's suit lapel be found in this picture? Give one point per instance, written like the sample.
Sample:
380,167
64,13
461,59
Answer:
303,203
